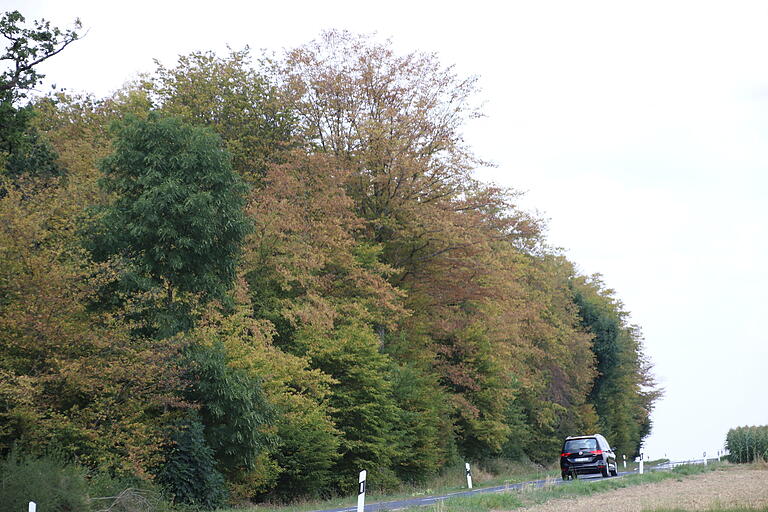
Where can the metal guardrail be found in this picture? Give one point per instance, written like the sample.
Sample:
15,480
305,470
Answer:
674,464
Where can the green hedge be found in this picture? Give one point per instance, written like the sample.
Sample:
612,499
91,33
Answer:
747,443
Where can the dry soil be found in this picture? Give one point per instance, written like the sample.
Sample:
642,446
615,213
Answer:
716,490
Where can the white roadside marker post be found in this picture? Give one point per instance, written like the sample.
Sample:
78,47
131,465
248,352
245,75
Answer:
32,506
641,464
705,458
469,475
361,492
625,462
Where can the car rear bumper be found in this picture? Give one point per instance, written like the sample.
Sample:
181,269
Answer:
584,469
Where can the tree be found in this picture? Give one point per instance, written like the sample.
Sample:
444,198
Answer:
71,377
188,472
362,403
78,128
33,155
177,218
21,148
233,410
395,121
228,96
554,361
425,431
302,262
301,461
624,390
28,48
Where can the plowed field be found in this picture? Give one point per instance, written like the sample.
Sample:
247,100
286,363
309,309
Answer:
732,488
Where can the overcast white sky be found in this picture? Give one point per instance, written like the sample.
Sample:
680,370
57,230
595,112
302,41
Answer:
638,128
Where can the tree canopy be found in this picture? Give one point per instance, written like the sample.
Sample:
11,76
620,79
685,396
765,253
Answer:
266,277
177,220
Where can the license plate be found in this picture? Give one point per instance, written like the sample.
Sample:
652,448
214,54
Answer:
582,459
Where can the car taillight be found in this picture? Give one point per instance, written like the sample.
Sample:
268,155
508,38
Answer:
597,452
564,454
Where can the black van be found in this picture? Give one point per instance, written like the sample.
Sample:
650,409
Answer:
587,454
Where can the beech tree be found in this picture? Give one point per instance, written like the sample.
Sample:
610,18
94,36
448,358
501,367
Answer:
230,97
394,120
362,403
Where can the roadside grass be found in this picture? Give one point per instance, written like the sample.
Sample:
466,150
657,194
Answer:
448,482
451,480
533,496
759,463
506,473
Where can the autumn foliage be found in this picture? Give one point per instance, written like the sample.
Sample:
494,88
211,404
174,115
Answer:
290,270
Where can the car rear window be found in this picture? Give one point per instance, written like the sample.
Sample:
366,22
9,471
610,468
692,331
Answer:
575,445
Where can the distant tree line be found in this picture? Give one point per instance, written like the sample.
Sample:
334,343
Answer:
252,281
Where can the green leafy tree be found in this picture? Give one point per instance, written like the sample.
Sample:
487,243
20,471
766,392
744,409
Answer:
300,464
230,97
189,473
362,403
234,410
177,219
22,150
33,156
623,392
425,431
27,48
307,452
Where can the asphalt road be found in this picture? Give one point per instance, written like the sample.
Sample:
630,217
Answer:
429,500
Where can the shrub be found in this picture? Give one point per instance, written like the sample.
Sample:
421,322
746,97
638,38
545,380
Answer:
189,473
49,481
747,444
